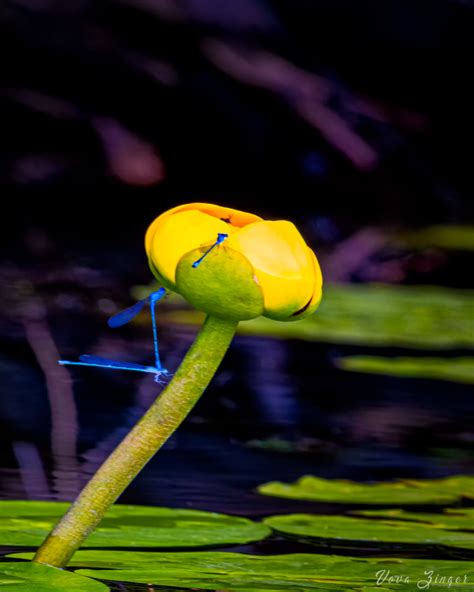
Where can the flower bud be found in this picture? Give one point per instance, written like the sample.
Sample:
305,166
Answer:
255,267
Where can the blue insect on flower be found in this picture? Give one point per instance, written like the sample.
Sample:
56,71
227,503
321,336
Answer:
221,236
122,318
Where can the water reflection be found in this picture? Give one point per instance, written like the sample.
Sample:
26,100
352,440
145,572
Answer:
337,426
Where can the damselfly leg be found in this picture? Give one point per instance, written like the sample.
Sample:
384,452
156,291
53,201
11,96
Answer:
122,318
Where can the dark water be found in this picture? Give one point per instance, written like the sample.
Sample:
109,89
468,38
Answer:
276,410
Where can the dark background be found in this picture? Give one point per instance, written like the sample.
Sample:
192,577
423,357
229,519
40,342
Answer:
111,111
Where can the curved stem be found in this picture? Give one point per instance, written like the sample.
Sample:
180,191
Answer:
139,446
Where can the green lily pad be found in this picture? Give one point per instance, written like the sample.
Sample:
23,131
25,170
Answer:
462,486
445,236
452,369
257,573
344,531
452,518
375,315
27,577
28,523
403,492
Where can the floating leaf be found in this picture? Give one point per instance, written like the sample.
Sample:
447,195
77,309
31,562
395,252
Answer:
461,486
31,577
343,531
403,492
259,573
453,519
371,314
28,523
453,369
445,236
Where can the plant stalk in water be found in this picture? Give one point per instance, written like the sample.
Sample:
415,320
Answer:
254,267
140,445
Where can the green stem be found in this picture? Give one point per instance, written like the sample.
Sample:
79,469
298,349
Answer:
139,446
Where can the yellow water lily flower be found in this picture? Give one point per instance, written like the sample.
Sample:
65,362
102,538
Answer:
256,267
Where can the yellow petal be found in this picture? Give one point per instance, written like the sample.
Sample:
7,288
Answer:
228,215
178,234
282,262
315,301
